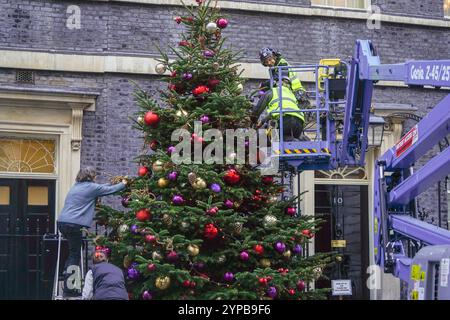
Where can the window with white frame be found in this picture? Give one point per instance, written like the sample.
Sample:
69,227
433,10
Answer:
447,8
350,4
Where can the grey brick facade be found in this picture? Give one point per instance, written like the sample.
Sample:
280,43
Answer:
109,142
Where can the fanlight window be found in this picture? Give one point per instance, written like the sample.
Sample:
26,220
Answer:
345,173
27,155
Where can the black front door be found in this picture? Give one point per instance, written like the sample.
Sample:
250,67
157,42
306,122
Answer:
27,210
345,211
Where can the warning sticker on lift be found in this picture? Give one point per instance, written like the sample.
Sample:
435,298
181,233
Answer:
444,270
407,141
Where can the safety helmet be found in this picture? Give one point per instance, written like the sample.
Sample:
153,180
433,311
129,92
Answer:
267,53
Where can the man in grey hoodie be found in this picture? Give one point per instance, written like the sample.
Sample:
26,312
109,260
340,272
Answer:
78,212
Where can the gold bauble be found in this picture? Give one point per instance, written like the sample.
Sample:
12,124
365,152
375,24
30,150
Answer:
193,250
181,113
199,184
163,182
287,254
167,219
127,261
158,166
265,263
240,88
162,283
270,221
140,120
156,255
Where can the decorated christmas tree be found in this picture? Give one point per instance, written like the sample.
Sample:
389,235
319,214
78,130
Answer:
204,229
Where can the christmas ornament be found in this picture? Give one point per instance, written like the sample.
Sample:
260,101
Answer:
127,261
150,238
163,182
263,281
199,184
181,113
297,249
216,66
215,187
167,219
171,149
259,249
160,68
222,23
184,43
178,199
211,27
173,176
231,158
172,87
339,258
307,233
212,211
200,90
134,229
143,215
143,171
178,20
240,88
186,284
184,225
172,256
199,2
317,272
208,54
193,284
229,204
156,255
272,199
269,221
212,83
280,247
151,267
140,120
187,76
204,119
221,259
267,180
244,256
265,263
158,166
287,254
193,250
132,273
192,176
232,177
147,295
210,231
228,277
199,266
301,285
154,145
151,119
291,211
237,227
123,228
126,201
162,283
272,292
173,74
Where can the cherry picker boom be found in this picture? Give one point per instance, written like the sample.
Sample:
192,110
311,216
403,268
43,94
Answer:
341,112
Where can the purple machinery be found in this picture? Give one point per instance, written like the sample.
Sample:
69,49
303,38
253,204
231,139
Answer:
340,130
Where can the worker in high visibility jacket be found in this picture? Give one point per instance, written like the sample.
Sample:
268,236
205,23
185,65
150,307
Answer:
272,58
293,122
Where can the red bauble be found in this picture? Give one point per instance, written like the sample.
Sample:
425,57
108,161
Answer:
154,145
291,292
200,90
143,215
210,231
212,83
184,43
143,171
193,284
301,285
151,118
173,74
178,19
150,238
151,267
232,177
263,281
267,179
291,211
259,249
212,211
307,233
222,23
172,87
186,283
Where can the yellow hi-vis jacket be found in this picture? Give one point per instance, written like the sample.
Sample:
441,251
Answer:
296,85
289,102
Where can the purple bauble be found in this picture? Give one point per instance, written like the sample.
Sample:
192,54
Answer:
173,176
170,149
172,256
280,247
228,203
244,256
147,295
204,119
199,266
229,276
215,187
297,249
208,54
134,229
126,201
133,274
187,76
272,292
177,199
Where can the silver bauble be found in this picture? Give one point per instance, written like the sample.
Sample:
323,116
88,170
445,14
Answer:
160,68
270,221
211,27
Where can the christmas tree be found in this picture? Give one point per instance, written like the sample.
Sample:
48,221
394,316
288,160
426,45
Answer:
206,230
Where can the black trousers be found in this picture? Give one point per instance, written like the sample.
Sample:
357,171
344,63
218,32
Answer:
72,232
292,128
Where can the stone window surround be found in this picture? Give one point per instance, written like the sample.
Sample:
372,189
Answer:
67,134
